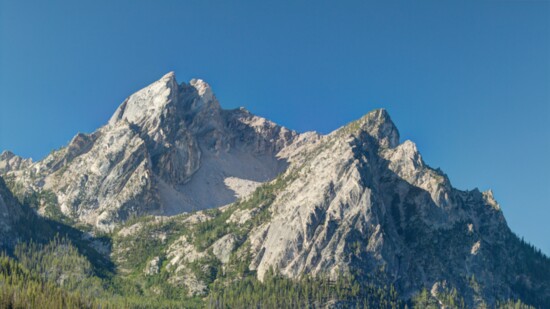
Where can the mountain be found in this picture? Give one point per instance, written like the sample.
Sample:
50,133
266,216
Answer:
364,204
168,149
198,202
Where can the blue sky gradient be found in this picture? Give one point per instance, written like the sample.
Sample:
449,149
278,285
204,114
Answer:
468,81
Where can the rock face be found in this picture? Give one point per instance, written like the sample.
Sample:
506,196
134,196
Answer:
11,162
169,148
362,203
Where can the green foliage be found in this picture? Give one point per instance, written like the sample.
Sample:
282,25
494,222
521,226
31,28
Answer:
55,275
451,299
47,200
59,262
513,304
531,263
20,288
206,269
136,249
207,232
277,291
55,266
424,300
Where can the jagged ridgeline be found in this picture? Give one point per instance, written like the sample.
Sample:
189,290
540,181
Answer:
176,202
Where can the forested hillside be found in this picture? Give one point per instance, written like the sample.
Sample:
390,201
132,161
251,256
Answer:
57,266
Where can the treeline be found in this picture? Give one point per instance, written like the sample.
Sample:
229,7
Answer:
531,263
21,288
59,262
55,275
449,299
277,291
53,272
513,304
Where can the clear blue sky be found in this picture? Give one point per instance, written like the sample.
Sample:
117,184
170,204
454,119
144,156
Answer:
468,81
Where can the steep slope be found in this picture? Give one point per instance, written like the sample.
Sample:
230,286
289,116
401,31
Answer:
167,149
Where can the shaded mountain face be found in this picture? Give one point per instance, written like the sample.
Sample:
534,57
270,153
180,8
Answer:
356,201
10,213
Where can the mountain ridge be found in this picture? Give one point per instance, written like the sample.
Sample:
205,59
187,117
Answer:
224,190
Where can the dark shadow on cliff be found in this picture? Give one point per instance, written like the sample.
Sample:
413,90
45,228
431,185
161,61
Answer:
431,253
29,227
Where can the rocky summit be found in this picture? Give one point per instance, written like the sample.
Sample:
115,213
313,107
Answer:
209,197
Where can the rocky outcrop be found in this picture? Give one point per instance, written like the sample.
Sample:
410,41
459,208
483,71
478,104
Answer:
9,162
224,246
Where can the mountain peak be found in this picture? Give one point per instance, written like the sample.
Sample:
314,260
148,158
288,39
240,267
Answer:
168,80
204,91
10,161
201,86
148,102
169,76
377,124
6,155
